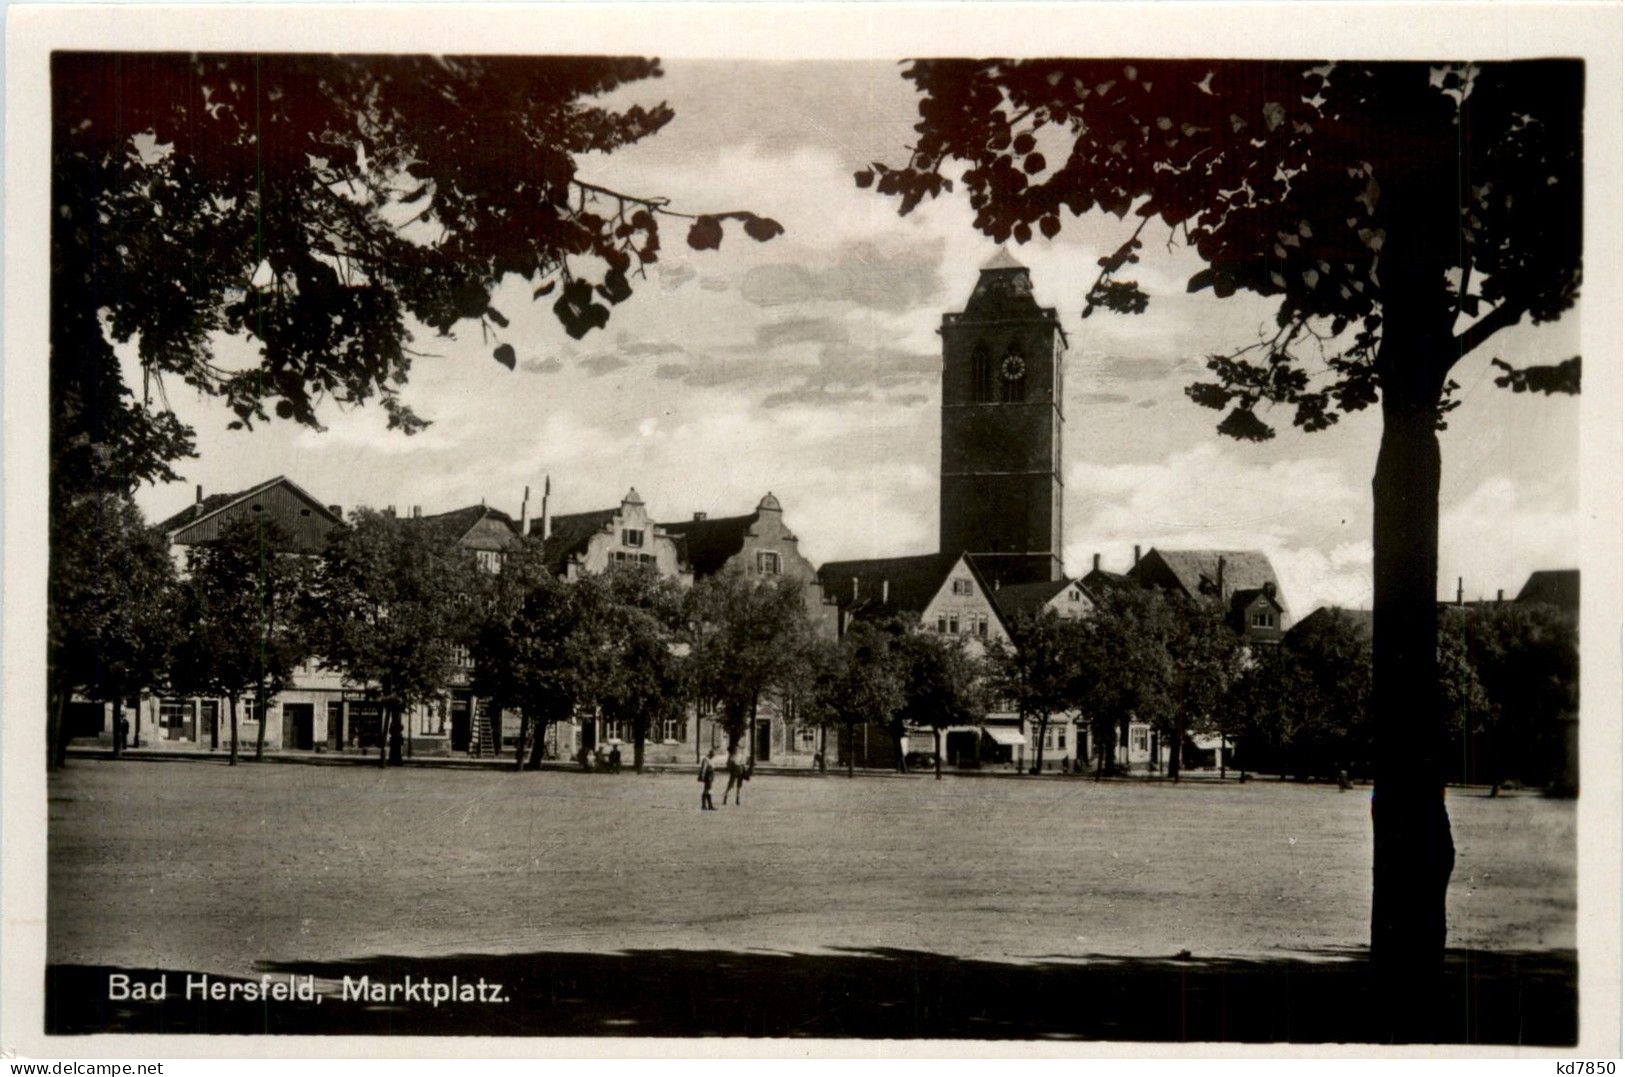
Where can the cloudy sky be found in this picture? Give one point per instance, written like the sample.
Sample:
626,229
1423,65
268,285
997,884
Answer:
809,366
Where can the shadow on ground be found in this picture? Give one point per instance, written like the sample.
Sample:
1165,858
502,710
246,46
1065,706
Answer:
1486,997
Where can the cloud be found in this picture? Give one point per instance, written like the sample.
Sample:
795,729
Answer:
551,365
1499,532
818,395
672,371
603,363
861,273
1119,368
642,348
1212,496
800,331
673,277
1103,398
716,284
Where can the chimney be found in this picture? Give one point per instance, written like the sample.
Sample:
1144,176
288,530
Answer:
200,493
336,510
389,510
1221,580
699,515
1500,595
854,588
417,512
547,492
1458,590
524,511
1136,555
885,592
1097,562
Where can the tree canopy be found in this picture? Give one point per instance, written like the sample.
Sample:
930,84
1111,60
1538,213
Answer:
1290,180
320,208
1400,214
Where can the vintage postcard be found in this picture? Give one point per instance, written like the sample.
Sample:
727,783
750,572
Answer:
1111,484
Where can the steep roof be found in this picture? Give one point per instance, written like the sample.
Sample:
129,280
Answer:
454,525
567,535
1197,571
1018,598
1361,620
1002,259
198,510
1558,587
886,584
711,541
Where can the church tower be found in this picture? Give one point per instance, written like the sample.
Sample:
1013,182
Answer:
1001,428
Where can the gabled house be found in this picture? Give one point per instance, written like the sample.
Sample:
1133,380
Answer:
1243,582
310,711
585,542
302,518
758,544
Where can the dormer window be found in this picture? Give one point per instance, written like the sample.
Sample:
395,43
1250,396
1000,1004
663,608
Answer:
632,536
768,562
1263,619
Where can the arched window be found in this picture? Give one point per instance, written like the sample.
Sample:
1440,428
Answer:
1013,374
981,375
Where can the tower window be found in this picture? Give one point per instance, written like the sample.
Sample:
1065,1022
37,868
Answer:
631,536
982,375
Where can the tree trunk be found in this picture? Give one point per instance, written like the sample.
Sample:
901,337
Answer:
1413,851
524,734
231,701
56,737
118,701
396,738
750,759
119,743
1038,753
1176,748
265,711
938,740
639,734
1221,757
538,745
851,748
214,729
823,749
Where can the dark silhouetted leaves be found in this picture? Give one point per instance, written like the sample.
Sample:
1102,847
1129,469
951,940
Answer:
705,234
577,312
615,287
1561,377
762,229
504,354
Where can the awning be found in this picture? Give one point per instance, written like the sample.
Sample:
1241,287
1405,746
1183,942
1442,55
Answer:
1011,737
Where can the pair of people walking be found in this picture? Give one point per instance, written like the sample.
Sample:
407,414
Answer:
738,775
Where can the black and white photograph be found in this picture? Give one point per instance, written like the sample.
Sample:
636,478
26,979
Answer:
1117,506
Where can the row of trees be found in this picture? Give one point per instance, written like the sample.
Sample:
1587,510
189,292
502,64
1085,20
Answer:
393,607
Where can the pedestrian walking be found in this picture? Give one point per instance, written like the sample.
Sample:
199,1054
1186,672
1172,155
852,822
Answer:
736,776
708,774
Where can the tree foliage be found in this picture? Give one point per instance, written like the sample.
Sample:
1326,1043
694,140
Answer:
111,617
1034,671
943,684
241,619
861,685
391,606
1289,180
744,633
320,208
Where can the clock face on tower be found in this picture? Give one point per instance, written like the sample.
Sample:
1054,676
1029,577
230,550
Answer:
1014,367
